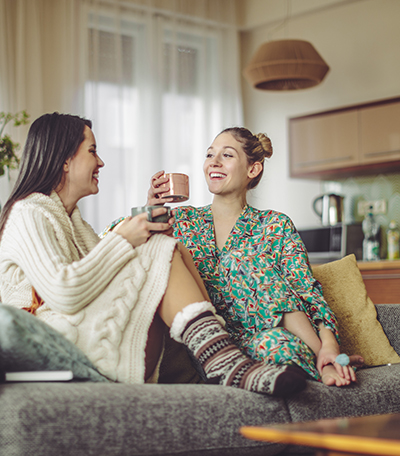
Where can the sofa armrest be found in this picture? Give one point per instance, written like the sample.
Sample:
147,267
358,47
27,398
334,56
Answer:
389,318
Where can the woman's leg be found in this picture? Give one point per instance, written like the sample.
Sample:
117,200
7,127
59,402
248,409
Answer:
154,345
182,290
188,260
299,325
277,345
194,323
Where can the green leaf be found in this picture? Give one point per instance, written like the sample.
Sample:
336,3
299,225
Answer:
8,148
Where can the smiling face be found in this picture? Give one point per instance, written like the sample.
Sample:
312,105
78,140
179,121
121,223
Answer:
226,168
82,170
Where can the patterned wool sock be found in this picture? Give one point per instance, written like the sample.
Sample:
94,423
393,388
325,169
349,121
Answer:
199,329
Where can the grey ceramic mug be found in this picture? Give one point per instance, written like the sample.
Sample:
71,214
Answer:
163,218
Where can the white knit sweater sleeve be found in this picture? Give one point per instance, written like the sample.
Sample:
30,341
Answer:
66,286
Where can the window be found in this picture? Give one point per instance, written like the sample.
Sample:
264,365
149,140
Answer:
157,95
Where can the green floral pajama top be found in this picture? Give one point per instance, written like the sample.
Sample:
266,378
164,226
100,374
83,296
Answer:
261,272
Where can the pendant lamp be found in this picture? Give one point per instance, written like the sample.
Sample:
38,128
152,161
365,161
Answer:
286,65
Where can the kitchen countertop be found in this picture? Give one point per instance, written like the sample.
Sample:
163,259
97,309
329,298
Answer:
381,264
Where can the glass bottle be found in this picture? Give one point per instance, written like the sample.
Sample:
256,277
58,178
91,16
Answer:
393,237
371,240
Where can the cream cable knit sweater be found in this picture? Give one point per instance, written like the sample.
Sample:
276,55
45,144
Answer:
102,295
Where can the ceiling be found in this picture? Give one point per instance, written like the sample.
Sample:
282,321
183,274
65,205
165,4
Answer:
260,13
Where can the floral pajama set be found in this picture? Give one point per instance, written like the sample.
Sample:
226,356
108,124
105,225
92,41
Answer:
261,273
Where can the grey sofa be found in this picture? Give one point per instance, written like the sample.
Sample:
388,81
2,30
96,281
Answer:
106,419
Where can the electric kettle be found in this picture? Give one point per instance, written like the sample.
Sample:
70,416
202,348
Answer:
330,210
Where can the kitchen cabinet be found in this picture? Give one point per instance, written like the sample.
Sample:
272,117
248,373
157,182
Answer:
382,281
380,133
356,140
324,142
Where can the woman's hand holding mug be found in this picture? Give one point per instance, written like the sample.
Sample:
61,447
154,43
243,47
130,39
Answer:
137,230
153,195
168,188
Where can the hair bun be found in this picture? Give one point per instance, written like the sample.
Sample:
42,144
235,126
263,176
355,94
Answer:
265,144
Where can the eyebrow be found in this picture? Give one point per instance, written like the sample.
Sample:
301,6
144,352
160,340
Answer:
225,147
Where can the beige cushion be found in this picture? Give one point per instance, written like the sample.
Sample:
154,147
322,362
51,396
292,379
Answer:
360,332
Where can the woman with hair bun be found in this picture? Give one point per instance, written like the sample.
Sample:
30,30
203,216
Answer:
255,266
113,297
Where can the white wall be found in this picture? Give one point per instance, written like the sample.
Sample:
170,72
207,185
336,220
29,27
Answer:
360,41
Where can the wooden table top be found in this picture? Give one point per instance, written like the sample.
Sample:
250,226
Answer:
375,435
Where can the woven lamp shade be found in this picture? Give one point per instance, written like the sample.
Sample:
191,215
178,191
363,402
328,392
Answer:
286,65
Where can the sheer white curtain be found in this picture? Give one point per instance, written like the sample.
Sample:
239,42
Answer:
42,45
159,79
160,86
42,66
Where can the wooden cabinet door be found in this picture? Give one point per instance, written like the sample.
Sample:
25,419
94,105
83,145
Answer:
323,143
380,133
383,286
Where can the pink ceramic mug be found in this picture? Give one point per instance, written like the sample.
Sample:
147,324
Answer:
178,187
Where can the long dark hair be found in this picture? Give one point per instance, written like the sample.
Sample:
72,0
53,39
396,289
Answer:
51,140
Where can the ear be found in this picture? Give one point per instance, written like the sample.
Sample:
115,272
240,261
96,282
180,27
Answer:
66,166
254,170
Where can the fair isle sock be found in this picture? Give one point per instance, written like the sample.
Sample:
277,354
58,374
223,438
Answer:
223,362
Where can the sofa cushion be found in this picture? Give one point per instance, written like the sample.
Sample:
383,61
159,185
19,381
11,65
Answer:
100,419
28,344
360,331
389,318
376,392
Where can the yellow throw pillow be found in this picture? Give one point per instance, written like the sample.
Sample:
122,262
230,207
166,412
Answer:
360,331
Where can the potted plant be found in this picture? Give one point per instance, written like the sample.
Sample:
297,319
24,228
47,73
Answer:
8,158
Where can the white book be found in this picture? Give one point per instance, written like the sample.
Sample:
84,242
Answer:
39,376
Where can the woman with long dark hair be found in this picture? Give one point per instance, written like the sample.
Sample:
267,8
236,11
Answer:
114,296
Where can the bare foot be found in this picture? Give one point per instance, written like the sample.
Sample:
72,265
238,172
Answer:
331,377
